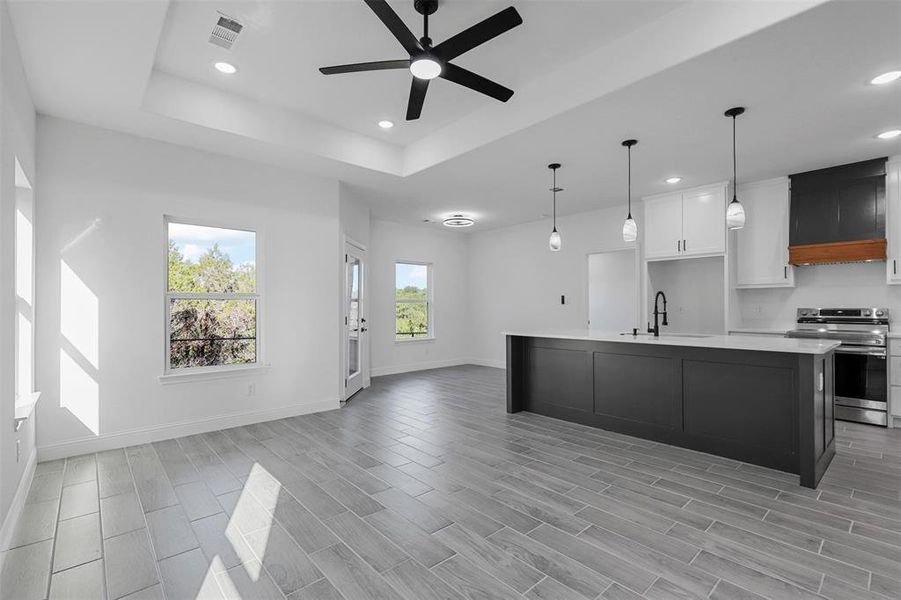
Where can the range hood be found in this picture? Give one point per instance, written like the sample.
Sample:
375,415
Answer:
838,214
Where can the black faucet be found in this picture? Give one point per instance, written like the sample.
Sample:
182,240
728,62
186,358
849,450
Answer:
657,313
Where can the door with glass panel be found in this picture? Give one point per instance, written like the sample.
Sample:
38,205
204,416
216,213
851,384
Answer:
354,320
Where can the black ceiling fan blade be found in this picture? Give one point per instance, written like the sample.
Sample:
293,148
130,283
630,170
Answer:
417,97
379,65
387,16
478,34
461,76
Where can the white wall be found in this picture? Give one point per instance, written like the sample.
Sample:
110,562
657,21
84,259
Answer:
101,200
17,140
694,290
516,282
448,252
848,285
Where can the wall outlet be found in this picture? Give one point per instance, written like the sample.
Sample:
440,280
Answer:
251,389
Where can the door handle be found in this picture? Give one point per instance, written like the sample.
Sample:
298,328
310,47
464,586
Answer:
362,329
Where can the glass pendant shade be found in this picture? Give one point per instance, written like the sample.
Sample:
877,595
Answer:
630,229
555,242
735,215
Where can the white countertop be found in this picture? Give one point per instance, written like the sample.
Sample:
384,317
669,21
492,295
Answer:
724,342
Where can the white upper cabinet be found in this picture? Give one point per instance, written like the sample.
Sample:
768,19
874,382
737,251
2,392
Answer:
762,244
687,223
893,218
663,226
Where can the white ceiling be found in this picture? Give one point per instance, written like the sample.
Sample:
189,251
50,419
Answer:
586,74
284,43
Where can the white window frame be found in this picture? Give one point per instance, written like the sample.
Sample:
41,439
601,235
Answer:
170,374
429,302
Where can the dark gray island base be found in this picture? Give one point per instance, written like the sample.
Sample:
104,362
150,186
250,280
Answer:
770,407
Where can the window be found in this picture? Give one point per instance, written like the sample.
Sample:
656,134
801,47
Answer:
212,299
412,301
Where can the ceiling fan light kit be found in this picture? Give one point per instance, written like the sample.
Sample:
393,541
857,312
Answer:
427,62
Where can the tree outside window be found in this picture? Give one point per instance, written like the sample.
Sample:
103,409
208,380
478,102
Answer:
211,300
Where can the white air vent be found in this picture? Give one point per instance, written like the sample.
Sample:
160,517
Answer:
225,32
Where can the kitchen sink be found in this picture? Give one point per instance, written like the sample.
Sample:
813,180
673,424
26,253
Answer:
685,335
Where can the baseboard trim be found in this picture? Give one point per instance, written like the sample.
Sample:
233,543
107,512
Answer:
145,435
438,364
18,503
418,366
487,362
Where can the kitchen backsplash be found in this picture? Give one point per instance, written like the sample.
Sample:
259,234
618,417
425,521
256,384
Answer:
855,284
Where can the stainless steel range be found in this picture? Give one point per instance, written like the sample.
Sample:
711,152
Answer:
861,373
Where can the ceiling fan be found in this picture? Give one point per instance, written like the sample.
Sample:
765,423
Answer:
427,62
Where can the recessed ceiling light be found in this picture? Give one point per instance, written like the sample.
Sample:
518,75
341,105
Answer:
886,78
673,179
458,221
386,124
226,68
890,134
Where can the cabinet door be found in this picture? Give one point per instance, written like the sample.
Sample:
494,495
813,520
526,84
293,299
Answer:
704,221
893,220
762,245
663,226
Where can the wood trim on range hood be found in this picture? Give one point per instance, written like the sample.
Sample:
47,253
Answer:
837,252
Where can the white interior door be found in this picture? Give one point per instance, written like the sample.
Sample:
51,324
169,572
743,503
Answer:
613,293
355,325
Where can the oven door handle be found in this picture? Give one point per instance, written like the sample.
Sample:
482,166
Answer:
860,350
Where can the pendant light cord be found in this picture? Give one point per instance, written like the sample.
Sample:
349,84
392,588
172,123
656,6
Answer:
734,170
630,182
554,190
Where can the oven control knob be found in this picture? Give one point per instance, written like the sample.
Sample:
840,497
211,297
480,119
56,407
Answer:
804,313
880,313
867,313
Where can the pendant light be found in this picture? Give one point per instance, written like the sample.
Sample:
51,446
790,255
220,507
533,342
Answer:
735,212
630,229
555,242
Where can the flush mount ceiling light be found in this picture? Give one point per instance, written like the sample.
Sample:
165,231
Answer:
555,242
426,62
672,180
735,213
386,124
226,68
890,134
630,229
886,78
458,221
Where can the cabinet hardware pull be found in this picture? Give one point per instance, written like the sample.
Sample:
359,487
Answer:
895,266
784,272
678,245
684,245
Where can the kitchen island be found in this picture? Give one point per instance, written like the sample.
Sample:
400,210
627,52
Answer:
761,400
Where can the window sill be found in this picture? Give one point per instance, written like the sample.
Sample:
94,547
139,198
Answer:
414,340
224,373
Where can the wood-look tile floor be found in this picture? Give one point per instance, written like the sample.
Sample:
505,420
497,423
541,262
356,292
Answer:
422,488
